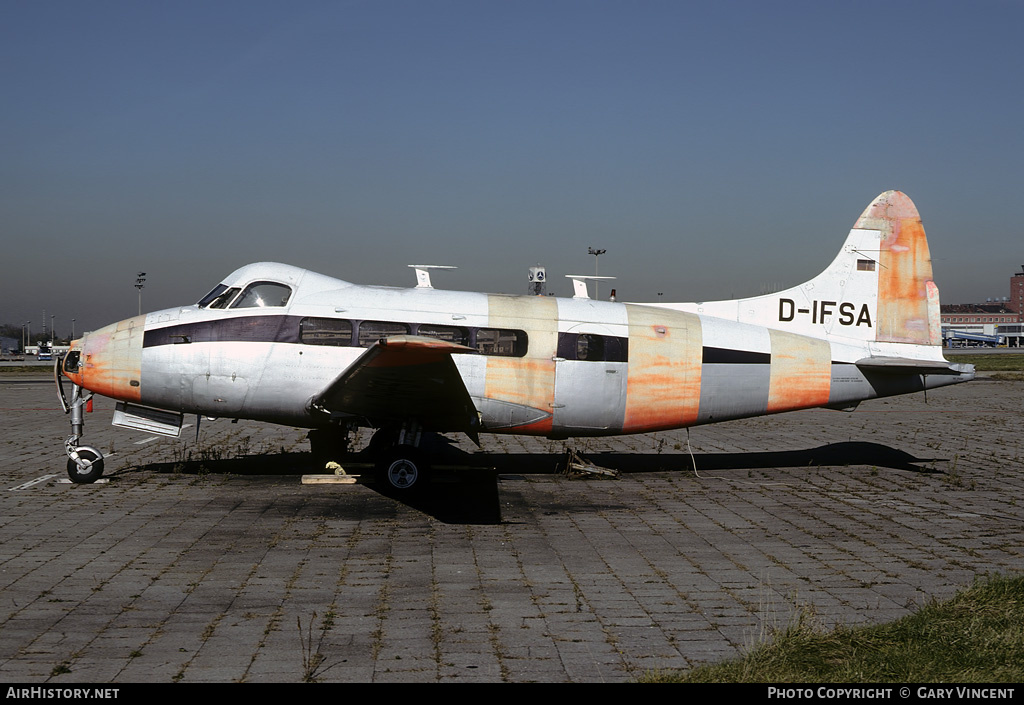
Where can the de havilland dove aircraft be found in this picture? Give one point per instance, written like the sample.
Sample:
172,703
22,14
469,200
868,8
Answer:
285,345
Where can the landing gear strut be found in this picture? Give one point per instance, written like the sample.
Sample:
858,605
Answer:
330,444
85,464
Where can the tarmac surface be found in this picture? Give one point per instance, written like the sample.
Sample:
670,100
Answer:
210,561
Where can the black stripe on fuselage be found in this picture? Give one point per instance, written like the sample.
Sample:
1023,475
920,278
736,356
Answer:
285,329
725,356
249,329
279,328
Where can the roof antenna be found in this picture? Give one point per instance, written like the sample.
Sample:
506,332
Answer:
579,284
423,273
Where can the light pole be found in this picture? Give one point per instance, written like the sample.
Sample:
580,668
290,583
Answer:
53,331
72,328
140,281
596,253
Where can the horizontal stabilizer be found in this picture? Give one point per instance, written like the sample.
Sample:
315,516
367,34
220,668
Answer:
905,365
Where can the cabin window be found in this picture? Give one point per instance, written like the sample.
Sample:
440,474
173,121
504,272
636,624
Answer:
372,331
325,331
589,347
616,349
865,265
593,347
500,342
263,295
450,334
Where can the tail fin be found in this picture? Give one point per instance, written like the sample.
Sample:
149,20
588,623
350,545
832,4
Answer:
879,288
908,301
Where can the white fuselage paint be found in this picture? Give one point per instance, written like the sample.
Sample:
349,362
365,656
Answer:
275,381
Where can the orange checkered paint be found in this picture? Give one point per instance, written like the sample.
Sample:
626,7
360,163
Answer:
528,381
801,372
663,386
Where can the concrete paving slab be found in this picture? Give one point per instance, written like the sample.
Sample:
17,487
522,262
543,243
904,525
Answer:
212,562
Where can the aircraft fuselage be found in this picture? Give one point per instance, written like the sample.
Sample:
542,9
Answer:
545,366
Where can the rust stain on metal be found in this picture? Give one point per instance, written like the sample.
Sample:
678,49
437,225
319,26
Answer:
663,386
529,380
801,372
112,360
906,271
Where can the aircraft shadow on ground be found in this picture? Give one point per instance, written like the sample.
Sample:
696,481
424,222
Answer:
465,487
829,455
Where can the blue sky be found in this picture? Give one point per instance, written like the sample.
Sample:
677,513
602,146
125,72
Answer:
714,149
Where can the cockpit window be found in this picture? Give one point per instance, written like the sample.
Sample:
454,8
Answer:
220,297
263,295
217,291
224,299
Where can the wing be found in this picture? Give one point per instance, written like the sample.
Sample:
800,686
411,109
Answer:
405,377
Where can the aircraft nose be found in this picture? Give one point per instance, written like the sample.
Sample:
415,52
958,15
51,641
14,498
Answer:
108,361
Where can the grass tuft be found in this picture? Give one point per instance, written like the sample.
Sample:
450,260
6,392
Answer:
976,637
991,362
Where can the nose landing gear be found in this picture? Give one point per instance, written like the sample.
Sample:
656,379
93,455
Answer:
85,464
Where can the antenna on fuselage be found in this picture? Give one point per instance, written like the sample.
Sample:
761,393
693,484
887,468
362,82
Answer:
538,278
579,284
423,273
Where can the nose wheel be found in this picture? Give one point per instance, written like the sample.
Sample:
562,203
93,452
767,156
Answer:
85,464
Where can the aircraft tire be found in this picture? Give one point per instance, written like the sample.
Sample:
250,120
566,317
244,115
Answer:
403,470
90,474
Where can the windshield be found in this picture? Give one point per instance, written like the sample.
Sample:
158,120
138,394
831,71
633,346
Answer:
263,294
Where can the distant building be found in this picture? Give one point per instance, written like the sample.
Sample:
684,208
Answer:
985,320
1012,335
1017,291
